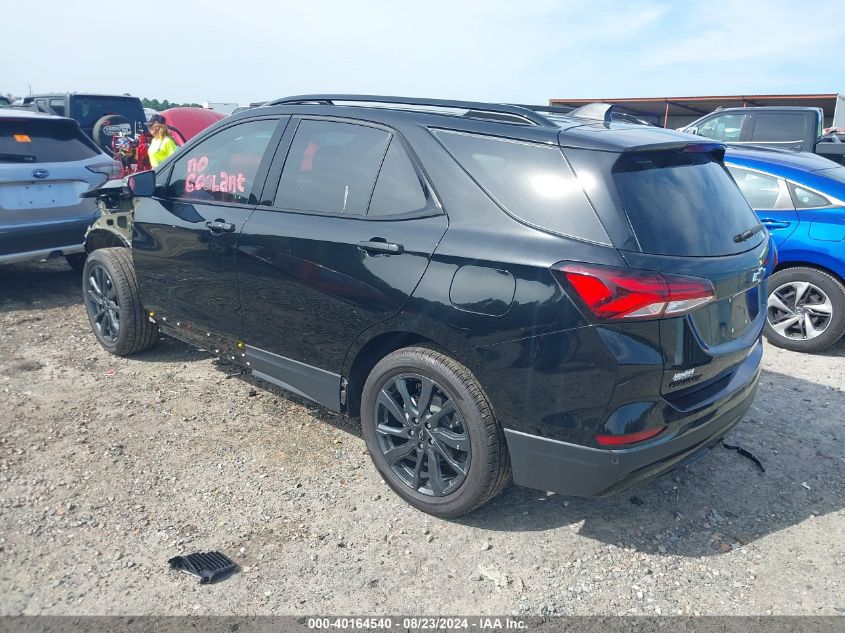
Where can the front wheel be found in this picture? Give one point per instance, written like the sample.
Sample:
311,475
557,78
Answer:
805,310
112,300
431,432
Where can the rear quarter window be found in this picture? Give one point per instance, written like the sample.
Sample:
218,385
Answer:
532,182
683,203
43,141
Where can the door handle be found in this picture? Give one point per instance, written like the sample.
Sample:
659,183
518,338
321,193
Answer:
771,223
380,245
220,226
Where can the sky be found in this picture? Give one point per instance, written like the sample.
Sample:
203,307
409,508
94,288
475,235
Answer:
525,51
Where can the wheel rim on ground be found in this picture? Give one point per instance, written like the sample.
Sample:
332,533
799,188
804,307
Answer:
422,435
799,310
102,303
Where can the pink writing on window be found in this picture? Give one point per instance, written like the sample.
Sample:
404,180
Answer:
197,180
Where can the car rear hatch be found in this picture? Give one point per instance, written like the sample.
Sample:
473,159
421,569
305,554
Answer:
684,218
46,163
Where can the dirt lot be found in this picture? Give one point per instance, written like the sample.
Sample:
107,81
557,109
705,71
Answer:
109,466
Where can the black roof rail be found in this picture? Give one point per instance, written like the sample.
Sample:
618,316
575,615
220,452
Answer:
473,109
546,108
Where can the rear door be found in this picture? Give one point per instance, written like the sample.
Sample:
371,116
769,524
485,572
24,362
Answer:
185,236
769,197
43,170
346,239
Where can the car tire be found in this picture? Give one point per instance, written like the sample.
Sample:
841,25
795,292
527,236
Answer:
112,301
421,456
100,132
811,322
76,261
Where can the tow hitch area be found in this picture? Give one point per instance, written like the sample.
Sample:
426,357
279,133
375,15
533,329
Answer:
208,566
744,453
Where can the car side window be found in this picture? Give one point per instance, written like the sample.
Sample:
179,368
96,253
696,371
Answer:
398,188
223,168
58,106
779,127
331,167
806,199
761,190
727,127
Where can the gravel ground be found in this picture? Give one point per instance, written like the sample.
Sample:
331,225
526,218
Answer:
109,467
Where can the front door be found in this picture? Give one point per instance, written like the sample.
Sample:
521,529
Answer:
185,237
348,238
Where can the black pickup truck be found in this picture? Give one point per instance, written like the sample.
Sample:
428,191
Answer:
797,128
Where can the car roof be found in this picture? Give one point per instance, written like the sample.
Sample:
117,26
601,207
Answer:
78,94
757,108
568,131
777,159
801,167
14,113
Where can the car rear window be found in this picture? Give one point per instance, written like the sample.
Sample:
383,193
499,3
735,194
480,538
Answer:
532,182
43,141
683,203
89,109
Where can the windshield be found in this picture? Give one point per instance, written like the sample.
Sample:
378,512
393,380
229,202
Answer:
834,173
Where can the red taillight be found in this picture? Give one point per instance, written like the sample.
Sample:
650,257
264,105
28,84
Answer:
630,438
111,170
621,293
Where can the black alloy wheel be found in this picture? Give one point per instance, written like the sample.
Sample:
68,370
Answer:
431,432
422,435
113,303
103,303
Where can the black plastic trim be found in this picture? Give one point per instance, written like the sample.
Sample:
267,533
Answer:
583,471
313,383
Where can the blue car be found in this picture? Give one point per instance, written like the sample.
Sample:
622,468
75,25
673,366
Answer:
800,199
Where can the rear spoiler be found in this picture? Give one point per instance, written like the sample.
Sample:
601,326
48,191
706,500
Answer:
716,149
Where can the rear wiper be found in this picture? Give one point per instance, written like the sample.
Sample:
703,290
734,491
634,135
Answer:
17,158
747,235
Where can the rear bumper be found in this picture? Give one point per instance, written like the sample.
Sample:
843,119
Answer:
35,241
571,469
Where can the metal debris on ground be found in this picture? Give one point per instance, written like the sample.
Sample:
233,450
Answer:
208,566
745,453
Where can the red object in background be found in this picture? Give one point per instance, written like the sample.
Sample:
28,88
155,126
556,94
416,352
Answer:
186,123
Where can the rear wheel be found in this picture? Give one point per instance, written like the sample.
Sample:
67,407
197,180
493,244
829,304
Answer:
431,433
805,310
112,301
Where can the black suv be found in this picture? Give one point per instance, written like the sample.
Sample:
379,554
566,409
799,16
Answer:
569,301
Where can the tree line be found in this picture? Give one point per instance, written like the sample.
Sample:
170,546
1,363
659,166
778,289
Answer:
155,104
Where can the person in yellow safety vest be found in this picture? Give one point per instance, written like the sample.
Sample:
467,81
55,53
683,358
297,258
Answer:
162,144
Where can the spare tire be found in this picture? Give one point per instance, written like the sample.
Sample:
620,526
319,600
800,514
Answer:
108,126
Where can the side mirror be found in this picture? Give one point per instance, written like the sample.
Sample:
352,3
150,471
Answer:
142,184
691,130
